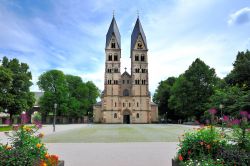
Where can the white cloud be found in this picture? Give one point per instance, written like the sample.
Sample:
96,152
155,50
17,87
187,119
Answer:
241,16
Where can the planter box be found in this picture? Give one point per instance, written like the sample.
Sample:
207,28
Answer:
175,162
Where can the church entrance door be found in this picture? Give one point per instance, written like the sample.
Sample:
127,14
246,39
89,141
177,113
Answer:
126,119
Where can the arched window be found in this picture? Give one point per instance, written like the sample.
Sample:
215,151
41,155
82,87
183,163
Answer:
137,115
115,115
125,92
136,57
142,58
110,57
115,57
113,43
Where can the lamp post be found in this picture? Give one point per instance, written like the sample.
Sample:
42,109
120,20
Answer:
166,117
54,122
221,114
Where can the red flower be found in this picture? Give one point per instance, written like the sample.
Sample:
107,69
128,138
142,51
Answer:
180,157
189,152
212,111
208,146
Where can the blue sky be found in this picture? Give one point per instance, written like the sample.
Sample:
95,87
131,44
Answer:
69,35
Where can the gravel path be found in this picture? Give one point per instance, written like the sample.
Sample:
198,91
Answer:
115,154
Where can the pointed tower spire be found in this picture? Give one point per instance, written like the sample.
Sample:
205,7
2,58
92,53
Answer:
138,30
113,30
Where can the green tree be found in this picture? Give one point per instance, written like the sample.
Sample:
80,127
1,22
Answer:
241,71
162,95
93,94
233,98
55,88
191,91
6,98
74,97
78,92
15,84
179,99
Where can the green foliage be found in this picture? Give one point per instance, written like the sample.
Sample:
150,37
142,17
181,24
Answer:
37,117
203,161
230,147
15,81
233,99
55,88
25,148
179,99
74,97
205,141
161,96
5,128
192,89
241,72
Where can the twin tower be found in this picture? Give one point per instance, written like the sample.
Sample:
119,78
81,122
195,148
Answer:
126,97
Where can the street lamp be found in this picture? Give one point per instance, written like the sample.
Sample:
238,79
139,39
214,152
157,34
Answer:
166,117
54,122
221,114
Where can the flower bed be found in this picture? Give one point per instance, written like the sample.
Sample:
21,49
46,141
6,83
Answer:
26,148
210,146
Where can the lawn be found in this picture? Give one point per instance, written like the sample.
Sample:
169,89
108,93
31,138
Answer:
103,133
5,128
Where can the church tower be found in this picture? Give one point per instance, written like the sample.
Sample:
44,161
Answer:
126,98
139,67
112,67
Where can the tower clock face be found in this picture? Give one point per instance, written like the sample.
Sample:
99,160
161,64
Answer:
139,45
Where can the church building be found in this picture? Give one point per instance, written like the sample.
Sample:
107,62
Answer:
126,97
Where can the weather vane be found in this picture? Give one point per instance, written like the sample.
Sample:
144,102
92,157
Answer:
138,14
113,13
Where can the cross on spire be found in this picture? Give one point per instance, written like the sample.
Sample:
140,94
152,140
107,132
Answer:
113,13
138,14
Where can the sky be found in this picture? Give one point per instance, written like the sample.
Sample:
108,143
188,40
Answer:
69,35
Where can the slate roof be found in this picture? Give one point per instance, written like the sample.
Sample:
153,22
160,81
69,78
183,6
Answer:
113,29
136,32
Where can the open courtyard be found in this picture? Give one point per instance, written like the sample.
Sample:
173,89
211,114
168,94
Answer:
118,133
99,144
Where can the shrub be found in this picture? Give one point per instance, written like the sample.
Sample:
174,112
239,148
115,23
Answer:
36,117
25,148
204,141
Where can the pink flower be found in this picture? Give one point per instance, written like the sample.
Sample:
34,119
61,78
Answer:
7,121
38,124
236,122
212,111
248,116
24,118
225,118
244,113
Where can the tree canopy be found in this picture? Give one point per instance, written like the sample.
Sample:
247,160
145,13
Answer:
15,81
241,71
74,97
198,89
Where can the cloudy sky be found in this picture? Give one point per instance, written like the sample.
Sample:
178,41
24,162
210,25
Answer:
69,35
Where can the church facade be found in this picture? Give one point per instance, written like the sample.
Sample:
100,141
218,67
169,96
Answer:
126,97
